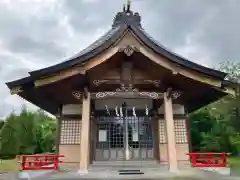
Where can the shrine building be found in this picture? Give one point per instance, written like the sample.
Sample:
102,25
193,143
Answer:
124,98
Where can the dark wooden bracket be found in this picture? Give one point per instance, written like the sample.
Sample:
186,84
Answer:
85,92
169,93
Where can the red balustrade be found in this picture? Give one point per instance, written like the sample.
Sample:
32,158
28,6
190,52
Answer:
40,162
208,159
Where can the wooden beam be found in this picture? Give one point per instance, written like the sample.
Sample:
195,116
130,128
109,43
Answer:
59,76
16,90
101,58
155,82
130,95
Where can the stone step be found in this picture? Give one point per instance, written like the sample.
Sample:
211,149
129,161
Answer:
128,170
126,167
103,168
125,163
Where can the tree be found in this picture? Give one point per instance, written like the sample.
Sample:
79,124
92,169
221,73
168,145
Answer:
27,133
45,132
232,103
1,124
26,130
48,133
201,123
232,69
218,138
9,143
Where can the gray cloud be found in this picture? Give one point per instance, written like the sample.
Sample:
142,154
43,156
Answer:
35,34
48,49
209,25
38,34
87,17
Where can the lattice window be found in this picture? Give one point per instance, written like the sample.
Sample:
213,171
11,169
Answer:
70,132
180,131
162,133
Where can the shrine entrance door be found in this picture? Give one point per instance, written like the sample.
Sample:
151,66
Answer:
124,134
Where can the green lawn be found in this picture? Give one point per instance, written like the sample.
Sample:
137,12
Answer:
8,166
234,161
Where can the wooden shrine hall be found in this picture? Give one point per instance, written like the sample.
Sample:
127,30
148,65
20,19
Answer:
124,98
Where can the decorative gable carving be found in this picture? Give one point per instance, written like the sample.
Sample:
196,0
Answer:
128,50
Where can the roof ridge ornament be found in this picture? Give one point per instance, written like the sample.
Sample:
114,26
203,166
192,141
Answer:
127,16
128,6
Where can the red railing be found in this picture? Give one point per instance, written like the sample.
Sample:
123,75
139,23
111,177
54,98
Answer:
40,162
208,159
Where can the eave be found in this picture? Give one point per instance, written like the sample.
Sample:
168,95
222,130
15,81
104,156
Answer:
19,85
205,99
18,82
41,100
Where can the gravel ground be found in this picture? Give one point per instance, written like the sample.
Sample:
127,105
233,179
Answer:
8,176
187,175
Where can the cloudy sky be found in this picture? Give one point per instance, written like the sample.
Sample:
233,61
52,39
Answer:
38,33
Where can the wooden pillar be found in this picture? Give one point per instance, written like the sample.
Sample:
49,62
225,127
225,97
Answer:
171,142
189,139
58,130
85,134
58,135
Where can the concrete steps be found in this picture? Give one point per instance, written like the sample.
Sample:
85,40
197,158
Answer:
125,163
126,167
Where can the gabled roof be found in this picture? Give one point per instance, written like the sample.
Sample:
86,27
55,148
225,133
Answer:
126,20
